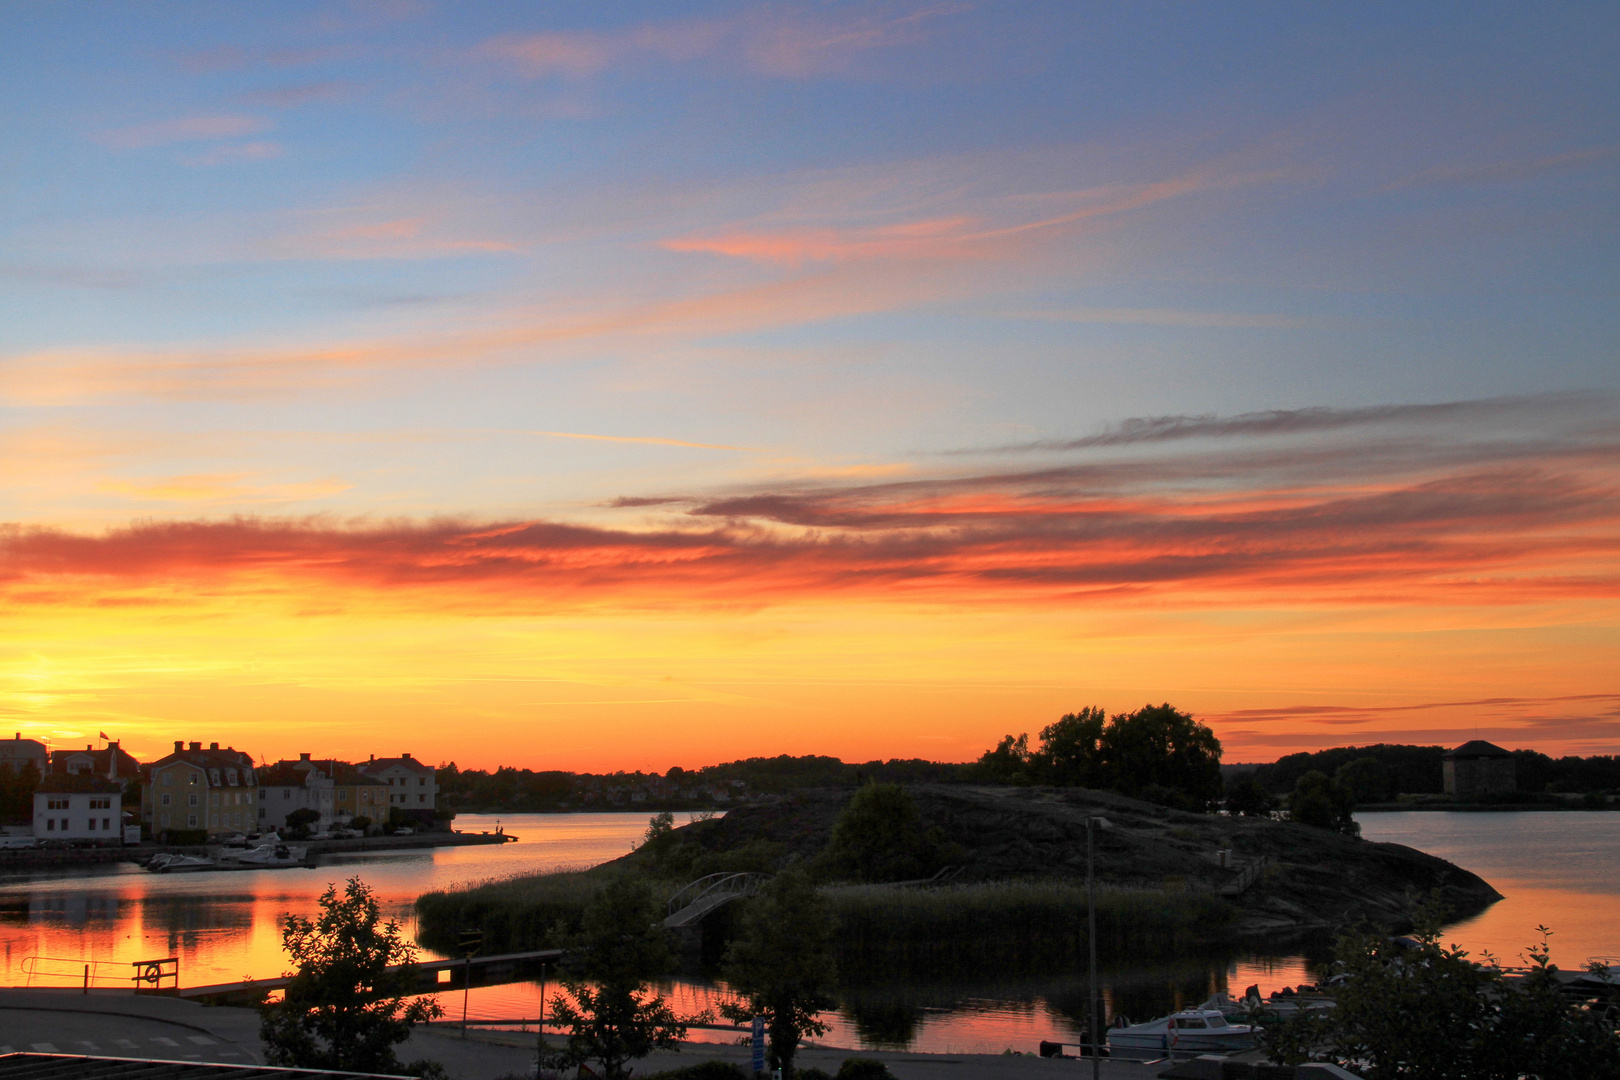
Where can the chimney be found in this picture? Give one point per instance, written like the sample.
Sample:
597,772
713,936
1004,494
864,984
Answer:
406,756
213,746
303,757
196,746
178,746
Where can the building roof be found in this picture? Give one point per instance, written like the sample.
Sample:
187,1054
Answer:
345,775
1475,748
100,760
212,758
285,774
56,783
376,765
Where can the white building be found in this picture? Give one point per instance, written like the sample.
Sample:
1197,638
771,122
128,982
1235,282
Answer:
411,784
288,786
78,807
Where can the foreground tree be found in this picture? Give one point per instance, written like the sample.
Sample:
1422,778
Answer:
611,1012
782,964
1416,1009
344,1008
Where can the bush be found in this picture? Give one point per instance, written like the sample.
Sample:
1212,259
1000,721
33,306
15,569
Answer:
880,838
1323,804
863,1069
704,1070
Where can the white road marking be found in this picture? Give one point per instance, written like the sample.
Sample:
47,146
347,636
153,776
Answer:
89,1046
200,1040
127,1044
161,1041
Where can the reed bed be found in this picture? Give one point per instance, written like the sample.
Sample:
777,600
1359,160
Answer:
1015,925
1007,925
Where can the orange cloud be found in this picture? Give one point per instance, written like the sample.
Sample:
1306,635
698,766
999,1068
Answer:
1376,523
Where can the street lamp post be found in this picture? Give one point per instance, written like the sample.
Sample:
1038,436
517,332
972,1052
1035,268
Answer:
1093,1028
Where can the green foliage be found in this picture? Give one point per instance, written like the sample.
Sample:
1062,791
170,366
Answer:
1324,804
863,1069
612,1016
301,819
703,1070
1410,769
781,963
1157,753
879,837
360,821
1248,799
1429,1012
343,1008
1367,780
17,787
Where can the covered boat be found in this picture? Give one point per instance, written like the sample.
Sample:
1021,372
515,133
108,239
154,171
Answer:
1190,1030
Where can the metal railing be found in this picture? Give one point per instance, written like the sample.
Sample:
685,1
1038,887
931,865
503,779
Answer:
707,893
147,976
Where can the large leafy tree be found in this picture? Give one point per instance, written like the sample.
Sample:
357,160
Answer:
613,1015
349,1002
1417,1009
1324,803
880,837
781,962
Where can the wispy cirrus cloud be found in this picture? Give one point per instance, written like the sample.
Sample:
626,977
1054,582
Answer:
182,129
1519,168
768,41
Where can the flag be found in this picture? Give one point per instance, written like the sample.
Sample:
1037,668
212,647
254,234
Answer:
105,736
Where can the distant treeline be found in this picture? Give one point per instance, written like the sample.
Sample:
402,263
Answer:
1156,752
1418,770
527,790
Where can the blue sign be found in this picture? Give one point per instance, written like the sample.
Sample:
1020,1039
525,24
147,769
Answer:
759,1045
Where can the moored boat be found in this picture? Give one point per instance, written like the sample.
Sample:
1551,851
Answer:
1190,1031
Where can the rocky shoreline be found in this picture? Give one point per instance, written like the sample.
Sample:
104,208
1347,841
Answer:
1313,879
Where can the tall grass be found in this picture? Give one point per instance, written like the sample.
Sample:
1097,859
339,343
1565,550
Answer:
1014,925
514,913
1004,926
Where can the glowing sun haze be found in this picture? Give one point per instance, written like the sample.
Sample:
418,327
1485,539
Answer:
623,386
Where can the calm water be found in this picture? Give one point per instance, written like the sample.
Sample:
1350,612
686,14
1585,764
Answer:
1561,869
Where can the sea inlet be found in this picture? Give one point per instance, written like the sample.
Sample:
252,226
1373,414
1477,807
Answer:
1558,869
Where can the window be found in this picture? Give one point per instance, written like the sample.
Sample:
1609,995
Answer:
191,800
194,778
165,821
106,823
421,781
168,777
92,825
56,804
165,798
191,821
213,777
286,793
101,804
421,798
213,799
230,777
50,824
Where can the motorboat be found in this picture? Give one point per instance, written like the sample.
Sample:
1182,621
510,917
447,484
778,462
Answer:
167,863
1190,1031
268,854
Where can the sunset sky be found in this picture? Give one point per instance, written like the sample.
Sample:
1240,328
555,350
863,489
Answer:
602,386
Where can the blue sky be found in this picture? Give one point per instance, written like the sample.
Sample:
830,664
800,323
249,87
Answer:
362,262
